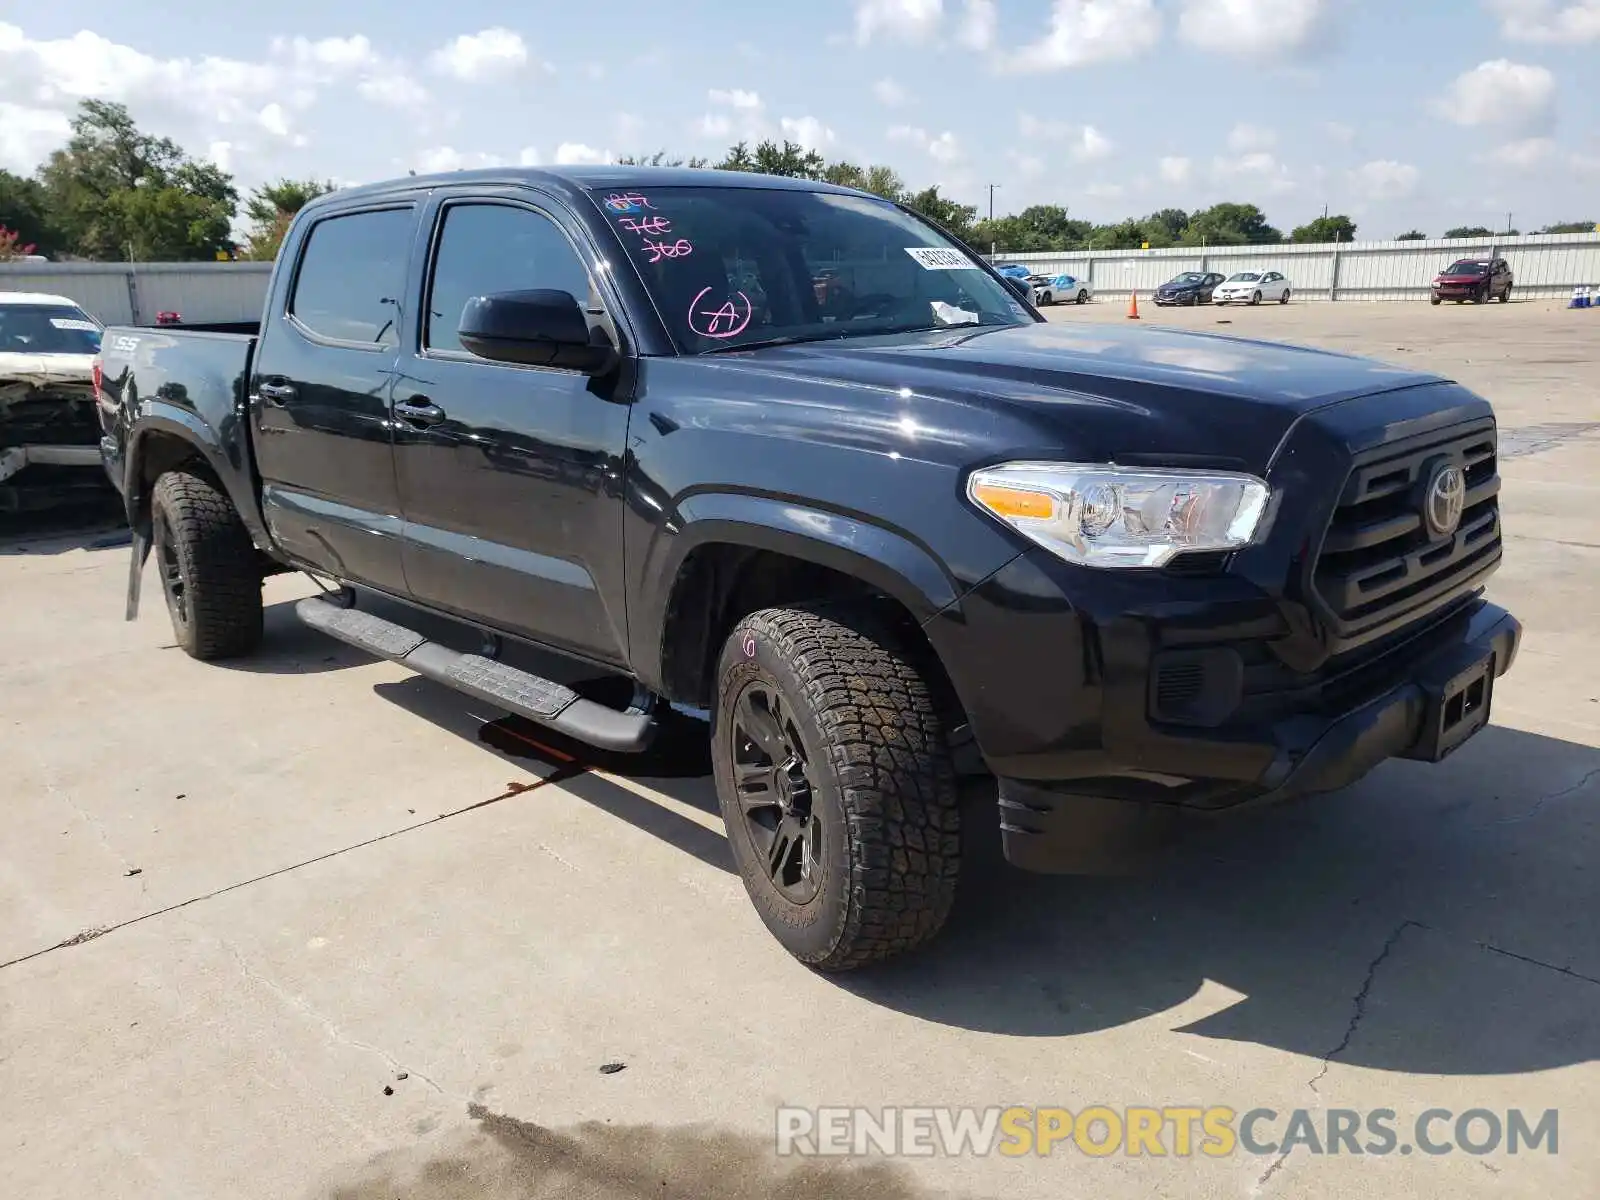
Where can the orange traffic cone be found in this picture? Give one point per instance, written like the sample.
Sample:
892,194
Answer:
1133,306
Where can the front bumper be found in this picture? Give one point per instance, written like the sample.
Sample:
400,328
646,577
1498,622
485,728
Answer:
1447,699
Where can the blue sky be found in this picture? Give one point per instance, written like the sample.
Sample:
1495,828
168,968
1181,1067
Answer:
1425,113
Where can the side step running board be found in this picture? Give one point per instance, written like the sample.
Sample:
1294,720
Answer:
527,695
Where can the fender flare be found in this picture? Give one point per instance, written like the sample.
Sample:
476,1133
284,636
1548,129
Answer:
882,558
221,450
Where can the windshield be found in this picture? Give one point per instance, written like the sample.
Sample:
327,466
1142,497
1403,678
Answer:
1467,268
1244,277
1189,277
47,329
729,267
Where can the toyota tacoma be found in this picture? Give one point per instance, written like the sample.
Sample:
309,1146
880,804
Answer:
887,533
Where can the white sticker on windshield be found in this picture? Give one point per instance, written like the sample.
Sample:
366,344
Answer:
73,323
949,314
936,258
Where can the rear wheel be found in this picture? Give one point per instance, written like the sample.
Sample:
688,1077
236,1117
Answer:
1284,299
209,571
835,782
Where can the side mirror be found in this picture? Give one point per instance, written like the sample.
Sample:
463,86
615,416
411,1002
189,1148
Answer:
541,328
1021,287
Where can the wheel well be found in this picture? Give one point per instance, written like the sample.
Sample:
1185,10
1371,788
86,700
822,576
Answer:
160,452
721,584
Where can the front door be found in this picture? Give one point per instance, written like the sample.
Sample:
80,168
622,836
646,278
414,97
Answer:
319,398
510,476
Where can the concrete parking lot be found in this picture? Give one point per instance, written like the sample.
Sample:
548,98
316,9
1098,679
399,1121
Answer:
307,926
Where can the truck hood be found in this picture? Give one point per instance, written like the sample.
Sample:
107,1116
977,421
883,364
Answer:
1100,392
46,368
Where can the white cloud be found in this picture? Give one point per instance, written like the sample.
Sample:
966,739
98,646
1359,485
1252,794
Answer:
1256,169
807,131
941,148
1254,28
1029,166
1385,179
910,20
27,135
714,125
1092,31
978,24
735,98
447,158
1587,165
574,153
1528,152
529,157
1339,132
393,91
220,153
273,120
1246,137
1086,143
1175,170
1512,96
1547,21
889,93
493,53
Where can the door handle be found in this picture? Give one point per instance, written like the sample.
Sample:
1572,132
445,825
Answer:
276,393
419,411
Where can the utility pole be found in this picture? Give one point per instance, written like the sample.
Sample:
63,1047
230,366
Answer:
992,187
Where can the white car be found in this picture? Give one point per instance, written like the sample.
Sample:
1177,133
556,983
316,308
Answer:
48,412
1252,287
1060,289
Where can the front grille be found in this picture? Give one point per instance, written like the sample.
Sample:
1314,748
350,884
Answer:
1379,566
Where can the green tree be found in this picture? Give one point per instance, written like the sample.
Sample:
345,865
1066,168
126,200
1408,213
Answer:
1230,225
1415,235
117,191
1165,228
1124,235
738,158
25,211
271,209
1468,231
957,218
790,159
885,182
660,159
1338,228
1572,227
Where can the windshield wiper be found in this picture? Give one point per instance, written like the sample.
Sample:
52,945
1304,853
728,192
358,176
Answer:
786,340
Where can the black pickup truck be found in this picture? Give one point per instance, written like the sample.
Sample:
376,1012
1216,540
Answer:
792,455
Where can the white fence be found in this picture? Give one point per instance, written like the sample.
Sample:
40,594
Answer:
1544,265
133,293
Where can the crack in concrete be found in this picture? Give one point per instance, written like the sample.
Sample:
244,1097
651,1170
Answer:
333,1032
1551,798
1360,1001
560,775
1272,1169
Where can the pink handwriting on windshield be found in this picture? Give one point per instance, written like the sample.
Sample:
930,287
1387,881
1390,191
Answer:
660,250
646,226
729,319
627,202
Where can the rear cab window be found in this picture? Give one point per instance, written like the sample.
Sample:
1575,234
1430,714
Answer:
352,277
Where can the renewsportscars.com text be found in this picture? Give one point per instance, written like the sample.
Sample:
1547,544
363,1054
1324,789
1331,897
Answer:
1177,1131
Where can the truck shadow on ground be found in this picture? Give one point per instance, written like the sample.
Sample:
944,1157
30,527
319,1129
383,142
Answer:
1430,920
78,527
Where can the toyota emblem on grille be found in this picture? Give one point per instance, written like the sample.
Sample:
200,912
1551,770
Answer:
1446,497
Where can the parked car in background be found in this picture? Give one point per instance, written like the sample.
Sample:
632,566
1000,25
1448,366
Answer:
1013,270
1252,287
49,427
1475,279
1060,289
1192,287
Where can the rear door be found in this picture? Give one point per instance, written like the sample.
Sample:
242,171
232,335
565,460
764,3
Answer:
510,476
319,395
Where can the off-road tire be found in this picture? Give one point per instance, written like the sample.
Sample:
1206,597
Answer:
881,777
195,529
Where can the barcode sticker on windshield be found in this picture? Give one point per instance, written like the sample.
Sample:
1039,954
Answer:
935,258
73,323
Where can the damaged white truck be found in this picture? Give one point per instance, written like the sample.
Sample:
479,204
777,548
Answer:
49,426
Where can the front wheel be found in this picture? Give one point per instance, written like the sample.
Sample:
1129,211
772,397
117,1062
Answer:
1083,297
1046,298
1255,299
1435,300
1481,296
209,571
1505,296
834,778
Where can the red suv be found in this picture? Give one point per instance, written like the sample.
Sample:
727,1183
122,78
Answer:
1477,279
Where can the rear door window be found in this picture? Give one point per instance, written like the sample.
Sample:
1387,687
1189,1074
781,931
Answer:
352,275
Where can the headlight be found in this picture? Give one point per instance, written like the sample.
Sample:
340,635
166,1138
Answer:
1106,516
